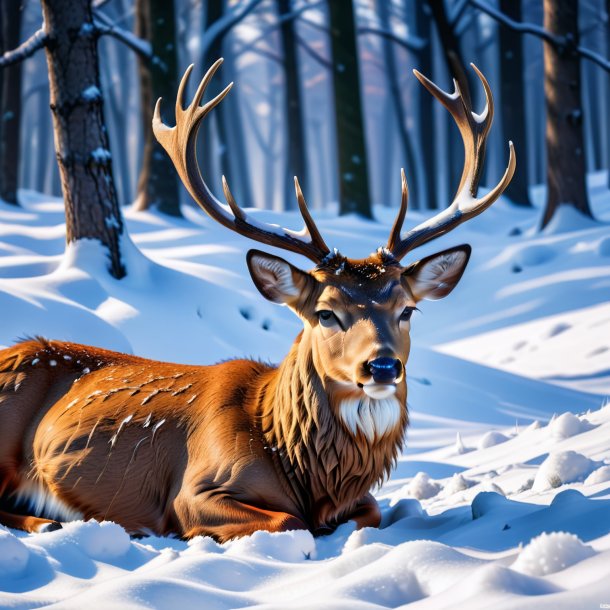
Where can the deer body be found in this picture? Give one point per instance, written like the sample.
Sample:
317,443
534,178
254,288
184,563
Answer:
227,449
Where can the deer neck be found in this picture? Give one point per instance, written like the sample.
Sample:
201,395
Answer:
328,467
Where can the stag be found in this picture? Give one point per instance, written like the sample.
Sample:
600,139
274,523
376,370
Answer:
232,448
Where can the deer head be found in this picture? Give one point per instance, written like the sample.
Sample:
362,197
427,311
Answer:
356,313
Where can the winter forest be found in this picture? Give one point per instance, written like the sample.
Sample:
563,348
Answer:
498,493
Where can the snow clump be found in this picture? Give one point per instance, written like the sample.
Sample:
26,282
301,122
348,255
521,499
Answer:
491,438
565,425
551,552
422,487
13,555
562,467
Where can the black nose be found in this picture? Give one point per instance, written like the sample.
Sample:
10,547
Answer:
384,370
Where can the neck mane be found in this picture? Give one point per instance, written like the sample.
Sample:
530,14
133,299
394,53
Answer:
328,467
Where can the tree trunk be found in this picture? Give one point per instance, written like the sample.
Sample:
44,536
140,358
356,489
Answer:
407,156
81,140
10,103
607,33
455,66
158,181
566,173
354,196
512,97
296,149
427,124
215,162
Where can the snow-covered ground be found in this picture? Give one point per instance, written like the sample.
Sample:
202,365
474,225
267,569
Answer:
502,496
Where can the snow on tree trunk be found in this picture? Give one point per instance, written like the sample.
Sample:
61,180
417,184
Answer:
354,194
158,181
566,173
512,98
10,103
81,139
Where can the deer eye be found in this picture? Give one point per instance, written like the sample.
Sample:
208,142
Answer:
327,318
406,314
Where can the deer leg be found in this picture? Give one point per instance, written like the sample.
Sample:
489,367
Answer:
28,524
226,518
366,513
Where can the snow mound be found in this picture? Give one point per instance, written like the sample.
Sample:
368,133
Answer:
562,467
14,555
456,484
601,475
603,247
422,487
535,254
565,425
551,552
292,546
103,541
491,438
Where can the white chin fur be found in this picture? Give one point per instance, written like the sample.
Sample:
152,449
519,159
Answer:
378,390
373,417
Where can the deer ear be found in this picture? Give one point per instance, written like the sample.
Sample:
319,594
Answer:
435,276
276,279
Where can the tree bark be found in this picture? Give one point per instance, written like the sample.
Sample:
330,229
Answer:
158,181
296,148
566,167
427,124
512,97
354,195
10,103
81,140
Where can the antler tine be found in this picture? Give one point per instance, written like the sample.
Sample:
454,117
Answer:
310,225
474,129
180,143
394,239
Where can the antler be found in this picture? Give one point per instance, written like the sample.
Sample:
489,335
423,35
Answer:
474,129
180,143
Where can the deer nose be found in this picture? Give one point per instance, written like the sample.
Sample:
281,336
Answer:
384,370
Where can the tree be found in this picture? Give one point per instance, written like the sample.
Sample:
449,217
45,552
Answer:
512,98
427,124
407,157
566,167
158,182
81,140
10,103
354,194
69,36
455,66
296,149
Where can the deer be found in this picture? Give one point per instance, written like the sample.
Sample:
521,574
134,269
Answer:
228,449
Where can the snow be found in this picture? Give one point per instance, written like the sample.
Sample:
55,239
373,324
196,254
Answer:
502,495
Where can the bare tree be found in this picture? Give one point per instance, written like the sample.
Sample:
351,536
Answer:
566,167
354,195
407,155
427,124
69,36
10,103
512,97
296,155
158,182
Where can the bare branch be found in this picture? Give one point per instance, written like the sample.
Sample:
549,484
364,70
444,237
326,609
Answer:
561,43
105,27
312,52
412,43
26,49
